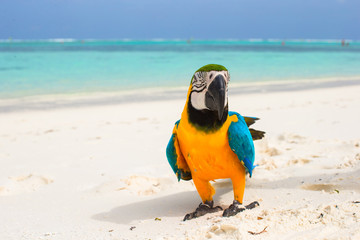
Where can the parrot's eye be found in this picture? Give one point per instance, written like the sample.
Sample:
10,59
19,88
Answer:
210,75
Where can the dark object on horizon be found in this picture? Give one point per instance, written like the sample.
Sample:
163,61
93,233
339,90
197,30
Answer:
344,43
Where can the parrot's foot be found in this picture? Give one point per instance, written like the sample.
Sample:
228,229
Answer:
236,207
204,208
233,209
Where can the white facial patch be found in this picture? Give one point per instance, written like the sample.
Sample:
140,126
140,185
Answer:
198,100
200,83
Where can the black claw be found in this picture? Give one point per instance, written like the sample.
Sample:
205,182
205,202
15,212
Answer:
203,209
236,208
252,205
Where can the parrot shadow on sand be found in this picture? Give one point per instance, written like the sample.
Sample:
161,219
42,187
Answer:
173,205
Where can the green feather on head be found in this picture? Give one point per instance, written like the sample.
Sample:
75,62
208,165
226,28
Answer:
211,67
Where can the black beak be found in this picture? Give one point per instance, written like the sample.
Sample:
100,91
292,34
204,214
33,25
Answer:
215,96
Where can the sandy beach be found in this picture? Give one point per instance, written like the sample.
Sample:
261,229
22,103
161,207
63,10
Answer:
99,170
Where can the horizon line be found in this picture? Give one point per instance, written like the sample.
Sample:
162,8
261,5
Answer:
62,40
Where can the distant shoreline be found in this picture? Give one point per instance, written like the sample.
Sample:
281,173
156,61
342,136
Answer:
88,99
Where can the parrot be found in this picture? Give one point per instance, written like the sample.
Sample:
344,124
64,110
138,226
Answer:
210,142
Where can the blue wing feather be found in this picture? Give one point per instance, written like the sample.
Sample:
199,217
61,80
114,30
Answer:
173,157
171,153
241,142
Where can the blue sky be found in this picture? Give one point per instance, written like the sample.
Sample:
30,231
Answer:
211,19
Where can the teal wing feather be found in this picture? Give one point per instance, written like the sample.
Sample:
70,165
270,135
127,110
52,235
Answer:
174,155
241,142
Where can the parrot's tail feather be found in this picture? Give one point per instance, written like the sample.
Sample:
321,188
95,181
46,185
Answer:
256,134
250,120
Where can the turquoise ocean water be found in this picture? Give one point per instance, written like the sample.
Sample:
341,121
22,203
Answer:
75,66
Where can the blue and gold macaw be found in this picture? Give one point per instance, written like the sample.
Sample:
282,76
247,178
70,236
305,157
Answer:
209,142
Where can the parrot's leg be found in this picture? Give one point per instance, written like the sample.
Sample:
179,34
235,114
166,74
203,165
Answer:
239,188
238,182
206,191
204,188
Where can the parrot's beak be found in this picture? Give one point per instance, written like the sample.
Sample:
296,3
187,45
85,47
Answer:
215,95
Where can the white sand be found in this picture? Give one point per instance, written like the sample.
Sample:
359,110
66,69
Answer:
101,172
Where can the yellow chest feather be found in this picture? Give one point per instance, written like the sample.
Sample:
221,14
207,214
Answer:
208,155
